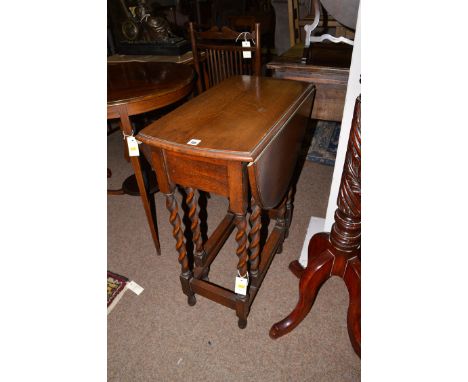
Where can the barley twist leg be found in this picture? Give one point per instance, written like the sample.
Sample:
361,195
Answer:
241,238
254,238
192,203
186,274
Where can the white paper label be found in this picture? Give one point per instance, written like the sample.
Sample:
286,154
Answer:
133,147
248,53
134,287
241,285
194,142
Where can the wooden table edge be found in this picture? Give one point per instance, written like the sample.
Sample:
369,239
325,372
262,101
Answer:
231,155
182,91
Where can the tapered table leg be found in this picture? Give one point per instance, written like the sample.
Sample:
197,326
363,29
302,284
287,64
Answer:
151,218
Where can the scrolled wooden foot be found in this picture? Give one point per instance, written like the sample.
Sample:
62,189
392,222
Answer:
296,268
316,273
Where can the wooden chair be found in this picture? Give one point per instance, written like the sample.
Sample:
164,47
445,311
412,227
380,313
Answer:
223,54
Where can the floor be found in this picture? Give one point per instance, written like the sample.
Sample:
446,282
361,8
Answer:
157,336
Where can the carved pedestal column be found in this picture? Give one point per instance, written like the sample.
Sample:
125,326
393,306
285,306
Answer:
337,253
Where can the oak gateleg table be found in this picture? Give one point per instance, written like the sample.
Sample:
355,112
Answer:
240,139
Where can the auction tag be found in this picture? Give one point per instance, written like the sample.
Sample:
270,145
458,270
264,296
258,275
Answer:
241,285
247,53
132,146
134,287
194,142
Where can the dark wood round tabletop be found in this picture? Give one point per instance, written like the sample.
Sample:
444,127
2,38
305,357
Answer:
145,86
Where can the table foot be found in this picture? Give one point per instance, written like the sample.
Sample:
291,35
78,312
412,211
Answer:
242,323
321,266
192,300
185,279
316,273
242,310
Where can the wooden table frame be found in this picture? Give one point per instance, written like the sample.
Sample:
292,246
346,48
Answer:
236,175
196,281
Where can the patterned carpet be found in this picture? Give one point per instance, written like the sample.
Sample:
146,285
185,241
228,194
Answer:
116,287
324,143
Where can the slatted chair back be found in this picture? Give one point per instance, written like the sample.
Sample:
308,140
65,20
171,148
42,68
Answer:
222,54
